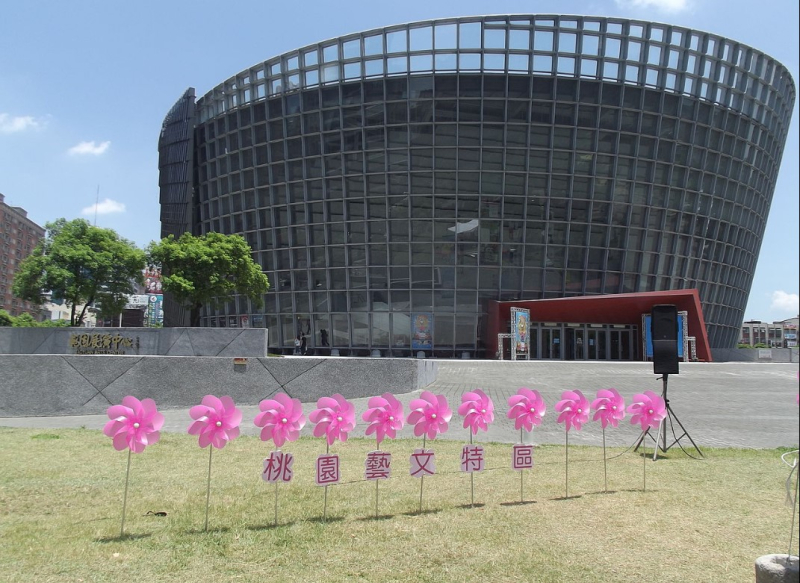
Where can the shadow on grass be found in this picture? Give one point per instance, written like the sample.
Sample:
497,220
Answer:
375,518
602,492
210,530
518,503
422,512
259,527
573,497
476,505
121,538
320,520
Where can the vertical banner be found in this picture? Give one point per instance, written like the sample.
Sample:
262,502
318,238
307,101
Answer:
520,333
154,314
422,331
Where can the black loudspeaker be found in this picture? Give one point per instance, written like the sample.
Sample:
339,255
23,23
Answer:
664,331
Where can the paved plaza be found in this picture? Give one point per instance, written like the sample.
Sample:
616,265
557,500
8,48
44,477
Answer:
747,405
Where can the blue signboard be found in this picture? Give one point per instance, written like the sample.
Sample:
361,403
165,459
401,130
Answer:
648,335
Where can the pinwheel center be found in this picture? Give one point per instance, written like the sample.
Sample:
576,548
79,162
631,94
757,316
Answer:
649,411
483,410
284,420
433,416
338,418
136,425
391,417
614,407
580,410
533,410
219,423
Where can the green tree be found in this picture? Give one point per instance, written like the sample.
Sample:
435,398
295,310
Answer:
6,319
25,320
82,264
207,270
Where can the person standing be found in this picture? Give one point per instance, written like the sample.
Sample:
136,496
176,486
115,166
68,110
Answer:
303,342
297,344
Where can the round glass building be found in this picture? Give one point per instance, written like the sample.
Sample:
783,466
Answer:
427,169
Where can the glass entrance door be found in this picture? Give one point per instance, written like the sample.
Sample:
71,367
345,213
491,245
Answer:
551,343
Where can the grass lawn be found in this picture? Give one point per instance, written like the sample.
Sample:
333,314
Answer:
61,503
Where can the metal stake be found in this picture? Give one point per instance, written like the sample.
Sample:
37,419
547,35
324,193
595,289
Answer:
794,507
566,466
275,522
376,489
325,500
605,462
208,486
422,477
521,473
125,496
471,479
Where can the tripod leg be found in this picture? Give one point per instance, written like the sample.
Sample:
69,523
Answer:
686,433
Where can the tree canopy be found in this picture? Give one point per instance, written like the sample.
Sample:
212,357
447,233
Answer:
82,264
208,270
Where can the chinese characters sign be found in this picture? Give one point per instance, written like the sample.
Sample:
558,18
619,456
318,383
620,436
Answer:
378,465
327,470
422,463
99,343
472,458
278,467
522,457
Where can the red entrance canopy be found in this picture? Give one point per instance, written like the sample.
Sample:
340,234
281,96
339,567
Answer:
607,309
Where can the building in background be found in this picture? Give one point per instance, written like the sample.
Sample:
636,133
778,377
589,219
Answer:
439,167
779,334
18,237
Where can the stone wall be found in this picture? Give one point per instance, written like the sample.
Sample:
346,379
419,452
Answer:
39,385
755,354
135,341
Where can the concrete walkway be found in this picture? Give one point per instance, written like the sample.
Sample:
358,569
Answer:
746,405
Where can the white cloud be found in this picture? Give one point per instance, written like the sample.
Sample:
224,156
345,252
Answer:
661,5
89,148
10,124
104,207
785,302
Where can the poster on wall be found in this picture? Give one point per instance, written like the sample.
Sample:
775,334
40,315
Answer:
152,279
154,313
520,332
422,331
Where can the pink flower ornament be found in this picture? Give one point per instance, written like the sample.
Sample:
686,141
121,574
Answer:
134,424
609,407
282,419
216,421
429,415
334,417
526,408
648,410
477,410
385,417
573,408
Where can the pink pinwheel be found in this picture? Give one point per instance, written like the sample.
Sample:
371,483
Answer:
282,419
574,409
526,408
134,424
609,407
385,416
648,410
430,415
216,421
477,409
334,417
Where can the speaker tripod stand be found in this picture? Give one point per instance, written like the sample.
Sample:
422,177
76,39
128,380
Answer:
661,436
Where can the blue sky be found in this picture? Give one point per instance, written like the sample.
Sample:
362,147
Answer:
84,87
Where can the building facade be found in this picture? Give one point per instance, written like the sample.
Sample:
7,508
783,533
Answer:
779,334
427,169
18,237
